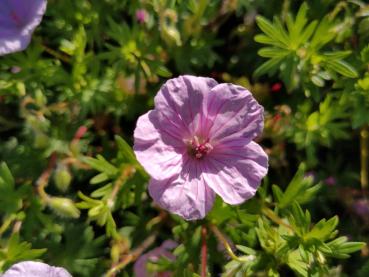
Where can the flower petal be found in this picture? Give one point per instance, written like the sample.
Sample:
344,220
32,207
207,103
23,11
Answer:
180,99
186,195
13,43
140,267
235,173
18,19
232,112
35,269
159,151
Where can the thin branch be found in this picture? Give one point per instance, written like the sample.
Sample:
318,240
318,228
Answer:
43,180
276,219
364,153
204,251
129,258
224,241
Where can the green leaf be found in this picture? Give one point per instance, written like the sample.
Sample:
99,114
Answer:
297,189
246,250
323,230
337,55
301,18
272,52
163,72
268,67
277,193
270,30
319,82
342,68
340,248
267,40
125,150
307,33
6,175
101,164
102,177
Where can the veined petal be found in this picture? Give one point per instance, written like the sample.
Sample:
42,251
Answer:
235,173
18,19
35,269
159,151
13,43
140,267
180,100
232,112
186,195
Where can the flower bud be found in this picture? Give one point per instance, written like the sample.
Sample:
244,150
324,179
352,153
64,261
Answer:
64,207
62,178
40,140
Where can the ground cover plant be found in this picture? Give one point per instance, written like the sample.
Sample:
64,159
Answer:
184,138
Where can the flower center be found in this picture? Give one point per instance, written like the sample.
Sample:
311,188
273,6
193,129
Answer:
198,148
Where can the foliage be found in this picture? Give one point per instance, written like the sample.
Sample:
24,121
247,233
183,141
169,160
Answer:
72,193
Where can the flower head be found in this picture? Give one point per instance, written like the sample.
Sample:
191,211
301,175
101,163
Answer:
361,207
141,16
18,20
35,269
153,256
197,143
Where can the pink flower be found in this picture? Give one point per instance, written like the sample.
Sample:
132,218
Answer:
197,143
141,16
18,20
35,269
154,255
330,181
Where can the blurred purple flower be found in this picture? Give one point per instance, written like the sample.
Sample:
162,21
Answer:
361,207
140,267
197,143
330,181
35,269
141,15
310,174
18,20
15,69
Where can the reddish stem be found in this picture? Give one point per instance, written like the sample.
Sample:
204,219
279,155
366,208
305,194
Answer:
79,133
44,178
204,250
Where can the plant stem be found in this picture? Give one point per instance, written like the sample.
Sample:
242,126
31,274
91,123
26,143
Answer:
364,134
43,180
132,256
224,241
204,251
6,223
276,219
57,55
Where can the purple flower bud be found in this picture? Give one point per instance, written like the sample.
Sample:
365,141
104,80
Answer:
141,16
330,181
361,207
15,69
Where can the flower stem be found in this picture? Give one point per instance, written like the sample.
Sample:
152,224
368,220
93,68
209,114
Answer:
43,180
364,134
127,259
6,223
275,218
56,54
224,241
204,250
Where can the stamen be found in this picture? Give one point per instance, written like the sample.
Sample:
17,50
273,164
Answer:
198,147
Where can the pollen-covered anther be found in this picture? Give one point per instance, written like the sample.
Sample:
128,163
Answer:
199,148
